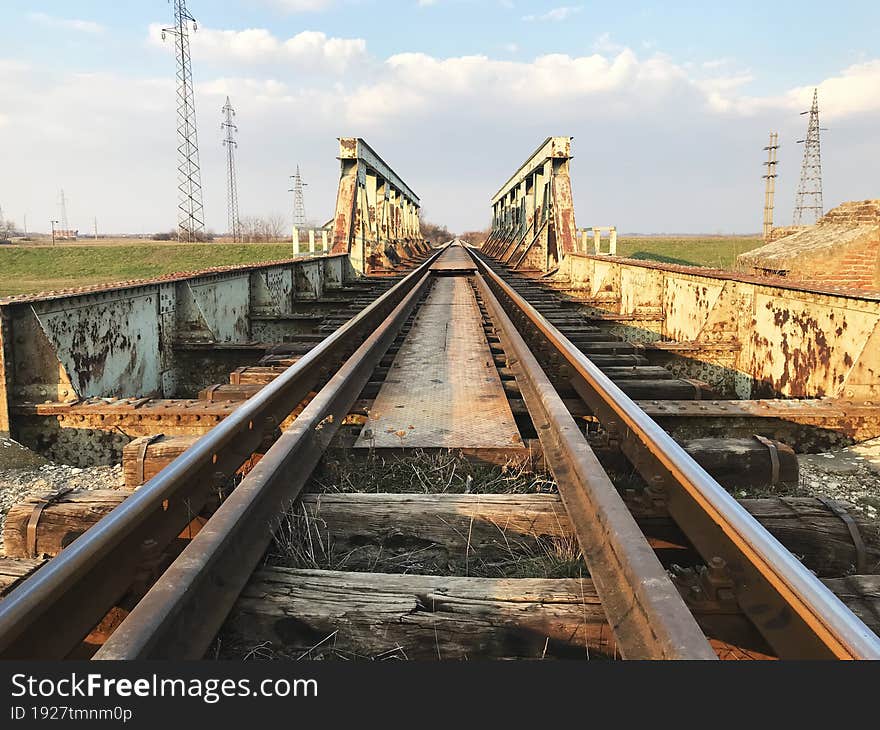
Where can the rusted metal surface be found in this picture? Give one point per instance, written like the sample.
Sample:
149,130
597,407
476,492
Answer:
646,612
214,568
50,614
794,612
377,215
533,222
5,372
443,388
127,340
760,339
94,431
809,424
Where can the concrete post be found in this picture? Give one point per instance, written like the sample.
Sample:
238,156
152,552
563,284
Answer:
295,240
613,242
324,239
597,241
311,240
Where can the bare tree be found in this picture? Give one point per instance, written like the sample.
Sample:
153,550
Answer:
262,230
276,227
475,238
434,233
7,228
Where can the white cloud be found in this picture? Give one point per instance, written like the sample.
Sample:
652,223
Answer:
312,49
83,26
604,44
303,6
851,92
555,15
635,117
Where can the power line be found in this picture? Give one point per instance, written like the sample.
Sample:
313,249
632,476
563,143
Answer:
231,182
808,206
191,212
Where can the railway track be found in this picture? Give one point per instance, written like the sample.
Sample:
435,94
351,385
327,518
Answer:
457,356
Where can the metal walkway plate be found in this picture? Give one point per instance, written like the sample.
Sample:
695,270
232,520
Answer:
455,258
443,389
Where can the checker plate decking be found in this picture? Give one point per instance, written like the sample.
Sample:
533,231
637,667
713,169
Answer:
454,259
443,389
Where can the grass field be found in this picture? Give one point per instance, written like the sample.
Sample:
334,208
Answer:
28,269
717,252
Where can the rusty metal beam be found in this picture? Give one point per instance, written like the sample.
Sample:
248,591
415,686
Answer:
537,197
143,338
5,373
771,338
377,215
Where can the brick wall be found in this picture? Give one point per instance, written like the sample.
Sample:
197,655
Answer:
857,267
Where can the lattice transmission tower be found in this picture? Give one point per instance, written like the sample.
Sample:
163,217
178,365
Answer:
770,188
62,207
808,204
299,203
191,212
231,183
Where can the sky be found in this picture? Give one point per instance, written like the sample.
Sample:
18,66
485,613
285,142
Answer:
670,105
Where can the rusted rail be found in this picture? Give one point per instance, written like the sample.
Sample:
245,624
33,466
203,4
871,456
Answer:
47,617
797,615
646,612
175,623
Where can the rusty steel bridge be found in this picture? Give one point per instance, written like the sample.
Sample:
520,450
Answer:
646,392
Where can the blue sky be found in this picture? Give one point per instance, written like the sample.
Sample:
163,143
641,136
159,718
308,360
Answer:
670,104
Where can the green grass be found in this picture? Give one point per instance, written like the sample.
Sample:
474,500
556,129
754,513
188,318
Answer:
26,270
716,252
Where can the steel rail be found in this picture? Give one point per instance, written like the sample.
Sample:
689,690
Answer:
50,613
183,611
796,613
644,608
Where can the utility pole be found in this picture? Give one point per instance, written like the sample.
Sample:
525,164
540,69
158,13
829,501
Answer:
190,211
96,228
53,231
231,183
25,225
770,189
808,204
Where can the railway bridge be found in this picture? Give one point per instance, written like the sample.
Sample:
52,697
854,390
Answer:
523,448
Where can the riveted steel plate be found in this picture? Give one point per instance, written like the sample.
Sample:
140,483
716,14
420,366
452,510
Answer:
443,389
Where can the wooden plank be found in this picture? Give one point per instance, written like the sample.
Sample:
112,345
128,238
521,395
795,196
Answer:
861,593
456,528
144,458
15,570
418,616
57,523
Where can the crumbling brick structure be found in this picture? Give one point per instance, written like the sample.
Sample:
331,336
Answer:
842,249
